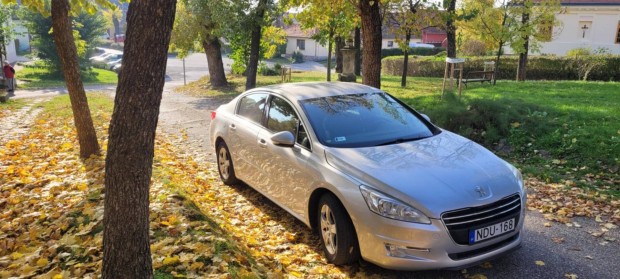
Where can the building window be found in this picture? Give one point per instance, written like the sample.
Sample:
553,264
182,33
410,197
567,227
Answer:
618,33
390,43
301,44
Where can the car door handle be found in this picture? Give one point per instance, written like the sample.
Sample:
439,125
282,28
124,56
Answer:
233,127
262,143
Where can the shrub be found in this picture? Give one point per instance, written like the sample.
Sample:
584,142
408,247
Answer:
297,57
539,67
585,60
264,70
421,51
473,48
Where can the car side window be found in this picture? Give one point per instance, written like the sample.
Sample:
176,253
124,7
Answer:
282,117
252,106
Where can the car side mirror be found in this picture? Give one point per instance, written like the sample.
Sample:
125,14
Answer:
284,138
426,117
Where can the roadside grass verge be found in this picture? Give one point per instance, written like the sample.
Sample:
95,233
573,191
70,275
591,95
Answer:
39,76
558,131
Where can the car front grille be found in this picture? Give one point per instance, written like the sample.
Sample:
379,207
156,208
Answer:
459,222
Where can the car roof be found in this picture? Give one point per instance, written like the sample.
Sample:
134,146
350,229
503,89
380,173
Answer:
311,90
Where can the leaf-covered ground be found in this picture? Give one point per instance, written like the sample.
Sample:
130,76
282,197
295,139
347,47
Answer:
51,209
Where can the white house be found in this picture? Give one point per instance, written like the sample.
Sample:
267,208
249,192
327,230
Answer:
300,40
585,23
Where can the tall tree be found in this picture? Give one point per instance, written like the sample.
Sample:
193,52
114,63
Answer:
256,29
63,36
535,25
6,29
198,27
408,18
126,251
331,19
371,22
357,44
450,6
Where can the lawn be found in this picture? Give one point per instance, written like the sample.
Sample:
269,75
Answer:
559,131
39,76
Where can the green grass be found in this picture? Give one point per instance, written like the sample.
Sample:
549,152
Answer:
554,130
39,76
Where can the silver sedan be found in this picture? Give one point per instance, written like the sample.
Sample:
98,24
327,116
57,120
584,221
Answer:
376,178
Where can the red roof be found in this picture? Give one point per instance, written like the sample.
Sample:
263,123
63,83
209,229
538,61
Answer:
590,2
294,30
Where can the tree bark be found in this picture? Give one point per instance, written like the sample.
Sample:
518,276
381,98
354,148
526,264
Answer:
339,57
358,45
126,250
330,43
117,26
67,52
213,50
451,29
522,66
371,38
255,45
403,80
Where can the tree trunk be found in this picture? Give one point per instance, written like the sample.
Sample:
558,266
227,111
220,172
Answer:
358,45
371,38
126,250
500,46
330,43
117,26
339,57
522,67
451,29
255,45
213,50
403,81
67,52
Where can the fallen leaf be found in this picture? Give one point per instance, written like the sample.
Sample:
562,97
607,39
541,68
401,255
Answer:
540,263
570,276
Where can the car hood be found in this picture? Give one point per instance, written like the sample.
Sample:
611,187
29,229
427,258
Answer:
436,174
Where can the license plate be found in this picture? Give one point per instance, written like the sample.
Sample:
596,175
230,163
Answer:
491,231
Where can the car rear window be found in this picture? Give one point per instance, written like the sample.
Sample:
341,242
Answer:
361,120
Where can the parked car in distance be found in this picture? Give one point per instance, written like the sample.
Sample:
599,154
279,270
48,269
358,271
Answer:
110,65
375,177
117,68
101,61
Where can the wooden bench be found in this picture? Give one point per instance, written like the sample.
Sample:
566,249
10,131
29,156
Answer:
479,76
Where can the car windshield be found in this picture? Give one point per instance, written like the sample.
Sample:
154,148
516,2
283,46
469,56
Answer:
362,120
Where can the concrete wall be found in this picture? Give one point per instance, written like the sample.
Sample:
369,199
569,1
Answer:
602,22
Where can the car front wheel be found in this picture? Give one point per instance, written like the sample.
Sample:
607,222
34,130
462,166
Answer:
337,232
225,165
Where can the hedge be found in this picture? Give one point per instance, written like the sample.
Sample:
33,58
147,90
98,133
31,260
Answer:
538,68
387,52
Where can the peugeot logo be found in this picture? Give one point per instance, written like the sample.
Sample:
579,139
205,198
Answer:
480,191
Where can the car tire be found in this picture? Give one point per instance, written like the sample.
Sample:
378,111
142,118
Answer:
336,232
225,165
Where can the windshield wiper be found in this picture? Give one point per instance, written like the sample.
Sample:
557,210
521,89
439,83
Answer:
400,140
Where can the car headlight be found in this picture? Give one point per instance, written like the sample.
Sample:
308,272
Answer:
516,173
392,208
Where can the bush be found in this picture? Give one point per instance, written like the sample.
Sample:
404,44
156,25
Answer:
421,51
473,48
539,67
264,70
297,57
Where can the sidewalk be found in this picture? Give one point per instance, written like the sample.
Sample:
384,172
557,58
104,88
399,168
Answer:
51,92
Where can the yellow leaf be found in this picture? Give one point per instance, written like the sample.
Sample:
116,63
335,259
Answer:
570,276
296,274
540,263
196,266
42,262
477,276
171,260
16,255
57,276
82,187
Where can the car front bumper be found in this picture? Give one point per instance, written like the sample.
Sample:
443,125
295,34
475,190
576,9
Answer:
408,246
